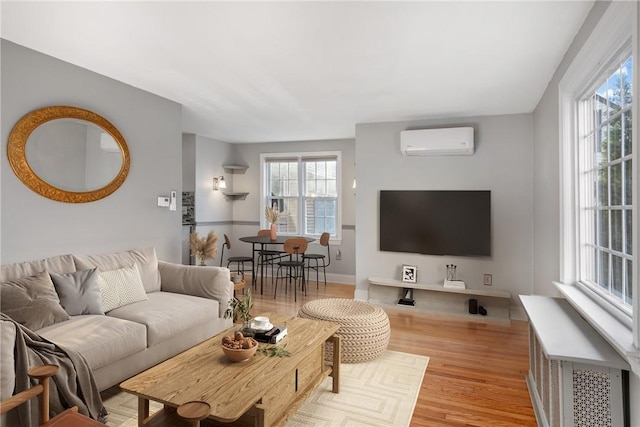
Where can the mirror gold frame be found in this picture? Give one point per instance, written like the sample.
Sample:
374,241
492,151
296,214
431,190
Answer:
16,151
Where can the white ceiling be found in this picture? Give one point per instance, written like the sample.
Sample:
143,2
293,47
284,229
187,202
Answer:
282,71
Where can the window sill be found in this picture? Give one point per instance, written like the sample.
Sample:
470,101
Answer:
618,334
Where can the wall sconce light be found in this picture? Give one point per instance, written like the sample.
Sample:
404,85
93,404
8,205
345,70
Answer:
354,183
218,183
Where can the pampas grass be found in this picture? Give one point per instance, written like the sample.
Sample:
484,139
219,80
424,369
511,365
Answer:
273,215
204,248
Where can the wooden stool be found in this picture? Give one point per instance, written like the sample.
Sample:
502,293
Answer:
187,415
194,412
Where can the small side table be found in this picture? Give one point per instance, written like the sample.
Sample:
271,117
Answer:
187,415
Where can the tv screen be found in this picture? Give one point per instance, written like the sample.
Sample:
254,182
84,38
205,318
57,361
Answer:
436,222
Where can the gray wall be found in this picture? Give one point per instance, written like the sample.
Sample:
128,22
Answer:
188,162
213,211
546,168
501,163
210,156
247,214
204,157
547,182
33,226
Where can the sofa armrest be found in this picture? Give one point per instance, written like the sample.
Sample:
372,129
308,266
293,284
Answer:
7,361
206,282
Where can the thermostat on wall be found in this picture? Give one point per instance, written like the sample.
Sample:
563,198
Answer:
163,201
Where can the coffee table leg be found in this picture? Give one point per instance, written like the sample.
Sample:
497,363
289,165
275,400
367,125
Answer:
143,410
335,372
259,416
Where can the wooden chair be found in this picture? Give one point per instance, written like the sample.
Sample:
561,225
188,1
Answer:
268,257
295,247
238,260
188,414
309,258
67,418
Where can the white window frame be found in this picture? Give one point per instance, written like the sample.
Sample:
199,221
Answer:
617,26
265,157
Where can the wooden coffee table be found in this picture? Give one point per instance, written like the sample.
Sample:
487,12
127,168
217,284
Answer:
261,391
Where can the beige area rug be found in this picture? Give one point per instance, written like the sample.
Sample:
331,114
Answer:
380,393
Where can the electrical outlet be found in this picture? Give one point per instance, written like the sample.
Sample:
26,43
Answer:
338,255
488,279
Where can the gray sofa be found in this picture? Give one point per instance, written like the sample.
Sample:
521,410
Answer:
184,306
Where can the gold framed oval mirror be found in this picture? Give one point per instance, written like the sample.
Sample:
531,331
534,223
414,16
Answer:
68,154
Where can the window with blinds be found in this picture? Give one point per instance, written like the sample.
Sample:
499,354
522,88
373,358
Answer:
306,187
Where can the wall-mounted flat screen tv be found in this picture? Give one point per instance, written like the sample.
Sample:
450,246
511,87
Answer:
436,222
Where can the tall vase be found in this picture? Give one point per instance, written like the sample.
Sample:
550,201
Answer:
274,232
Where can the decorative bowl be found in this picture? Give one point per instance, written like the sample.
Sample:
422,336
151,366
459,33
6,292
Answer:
240,354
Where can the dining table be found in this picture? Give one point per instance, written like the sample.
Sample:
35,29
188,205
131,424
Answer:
259,244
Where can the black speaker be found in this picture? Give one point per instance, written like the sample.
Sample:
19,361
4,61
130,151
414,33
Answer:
473,306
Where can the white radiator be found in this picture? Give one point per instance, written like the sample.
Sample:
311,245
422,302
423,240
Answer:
574,394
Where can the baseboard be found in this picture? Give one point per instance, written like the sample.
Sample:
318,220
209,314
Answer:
343,279
516,312
361,294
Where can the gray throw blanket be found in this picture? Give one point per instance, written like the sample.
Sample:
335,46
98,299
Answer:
73,385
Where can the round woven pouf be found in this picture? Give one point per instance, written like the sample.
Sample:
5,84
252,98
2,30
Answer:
364,327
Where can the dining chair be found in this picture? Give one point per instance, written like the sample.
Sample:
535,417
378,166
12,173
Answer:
67,418
317,258
268,257
295,247
238,260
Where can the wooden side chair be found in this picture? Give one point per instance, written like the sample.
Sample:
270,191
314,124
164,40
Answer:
268,257
294,266
188,414
317,258
238,260
67,418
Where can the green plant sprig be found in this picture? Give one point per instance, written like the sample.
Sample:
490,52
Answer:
275,351
240,309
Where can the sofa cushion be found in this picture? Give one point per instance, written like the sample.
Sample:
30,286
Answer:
145,258
166,314
102,340
32,301
79,292
207,282
58,264
121,287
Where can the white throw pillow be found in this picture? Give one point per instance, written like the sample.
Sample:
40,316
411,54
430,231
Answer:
121,287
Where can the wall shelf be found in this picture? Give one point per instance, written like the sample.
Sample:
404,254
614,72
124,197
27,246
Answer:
235,196
435,298
235,168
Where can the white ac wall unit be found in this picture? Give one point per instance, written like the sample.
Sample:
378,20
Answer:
437,142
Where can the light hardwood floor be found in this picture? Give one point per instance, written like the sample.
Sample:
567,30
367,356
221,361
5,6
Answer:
476,372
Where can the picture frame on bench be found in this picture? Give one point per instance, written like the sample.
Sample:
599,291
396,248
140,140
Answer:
409,273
